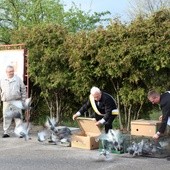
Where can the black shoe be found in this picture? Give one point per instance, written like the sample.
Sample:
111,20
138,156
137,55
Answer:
50,141
5,135
168,158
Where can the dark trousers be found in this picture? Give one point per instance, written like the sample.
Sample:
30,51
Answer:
108,124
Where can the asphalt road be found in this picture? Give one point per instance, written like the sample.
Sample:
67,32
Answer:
18,154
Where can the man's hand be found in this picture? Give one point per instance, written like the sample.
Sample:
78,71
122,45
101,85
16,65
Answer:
156,136
98,123
160,118
75,116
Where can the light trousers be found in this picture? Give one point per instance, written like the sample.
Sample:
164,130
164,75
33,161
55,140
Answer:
11,112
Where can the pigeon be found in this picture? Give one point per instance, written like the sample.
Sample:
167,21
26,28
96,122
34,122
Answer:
64,133
49,132
22,105
51,124
61,136
22,130
12,112
56,135
116,138
64,136
135,149
145,148
54,139
113,140
42,136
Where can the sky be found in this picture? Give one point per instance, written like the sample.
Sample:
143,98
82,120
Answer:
116,7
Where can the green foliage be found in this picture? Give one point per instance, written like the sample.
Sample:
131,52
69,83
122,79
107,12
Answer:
18,14
125,60
131,58
78,20
155,114
69,123
39,109
116,124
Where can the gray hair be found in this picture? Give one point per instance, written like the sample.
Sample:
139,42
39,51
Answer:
9,66
153,93
94,90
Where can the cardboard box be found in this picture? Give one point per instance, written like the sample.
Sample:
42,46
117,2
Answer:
144,127
86,138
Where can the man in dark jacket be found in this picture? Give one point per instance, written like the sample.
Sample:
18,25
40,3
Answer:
164,101
104,106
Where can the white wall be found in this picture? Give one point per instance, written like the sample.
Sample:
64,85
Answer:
14,58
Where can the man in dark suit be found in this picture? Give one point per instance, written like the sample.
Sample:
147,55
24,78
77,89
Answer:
164,101
104,106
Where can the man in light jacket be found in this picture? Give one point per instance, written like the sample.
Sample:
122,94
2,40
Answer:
12,89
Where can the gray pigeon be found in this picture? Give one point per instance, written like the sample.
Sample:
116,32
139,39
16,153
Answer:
61,137
51,124
145,148
64,136
113,140
49,132
22,105
54,138
64,133
136,148
13,112
56,135
22,130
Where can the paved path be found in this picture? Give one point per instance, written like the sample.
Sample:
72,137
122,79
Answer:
18,154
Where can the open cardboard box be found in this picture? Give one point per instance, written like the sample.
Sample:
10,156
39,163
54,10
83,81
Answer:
144,127
86,138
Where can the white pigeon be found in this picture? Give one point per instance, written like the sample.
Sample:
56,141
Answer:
42,136
22,130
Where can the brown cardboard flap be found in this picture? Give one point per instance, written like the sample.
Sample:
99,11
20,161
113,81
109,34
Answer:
87,125
84,142
146,122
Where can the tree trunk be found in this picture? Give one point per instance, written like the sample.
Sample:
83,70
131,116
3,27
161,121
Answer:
129,118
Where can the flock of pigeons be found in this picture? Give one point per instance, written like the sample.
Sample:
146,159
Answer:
21,130
112,141
53,133
149,148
